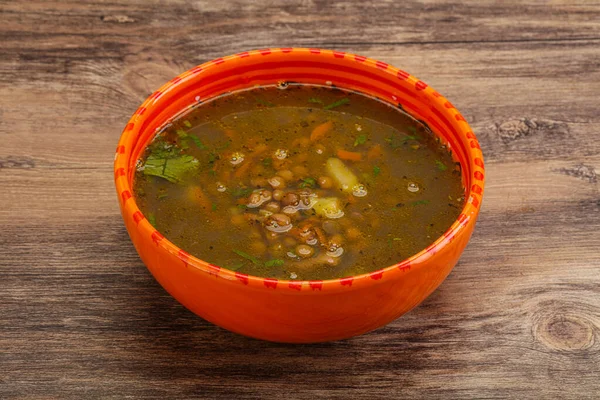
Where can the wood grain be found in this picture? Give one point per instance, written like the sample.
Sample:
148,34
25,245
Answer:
519,317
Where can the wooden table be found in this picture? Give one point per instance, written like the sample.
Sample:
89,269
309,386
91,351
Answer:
80,316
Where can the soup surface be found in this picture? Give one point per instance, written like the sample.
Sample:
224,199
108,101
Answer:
298,182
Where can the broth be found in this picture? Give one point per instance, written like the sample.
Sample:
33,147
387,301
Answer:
298,182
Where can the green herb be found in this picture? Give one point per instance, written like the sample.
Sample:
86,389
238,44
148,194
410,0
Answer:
171,169
398,206
338,103
265,103
412,129
267,162
315,100
212,157
187,123
419,202
360,139
214,207
226,145
152,219
396,141
441,166
242,206
163,195
391,241
198,142
184,144
376,171
181,133
247,256
241,191
235,267
308,183
274,263
161,148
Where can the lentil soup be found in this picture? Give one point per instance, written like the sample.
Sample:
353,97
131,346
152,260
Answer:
298,182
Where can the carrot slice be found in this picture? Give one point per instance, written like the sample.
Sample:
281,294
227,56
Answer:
349,155
375,152
225,175
242,170
320,131
197,195
230,133
259,149
320,235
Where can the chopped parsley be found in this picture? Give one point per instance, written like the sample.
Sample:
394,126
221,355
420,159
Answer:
360,139
265,103
338,103
171,169
247,256
242,191
308,183
441,166
198,142
274,263
400,140
267,162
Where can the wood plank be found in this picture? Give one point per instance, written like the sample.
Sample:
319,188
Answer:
556,97
81,317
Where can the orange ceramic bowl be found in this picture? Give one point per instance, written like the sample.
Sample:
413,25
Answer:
299,311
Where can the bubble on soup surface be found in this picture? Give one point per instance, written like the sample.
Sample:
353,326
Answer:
281,154
236,158
334,251
359,191
413,187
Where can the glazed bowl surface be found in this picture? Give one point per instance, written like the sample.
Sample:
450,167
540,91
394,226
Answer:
299,311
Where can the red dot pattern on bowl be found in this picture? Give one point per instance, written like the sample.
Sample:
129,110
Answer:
183,256
442,127
242,277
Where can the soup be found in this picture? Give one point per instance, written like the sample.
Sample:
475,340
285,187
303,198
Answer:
298,182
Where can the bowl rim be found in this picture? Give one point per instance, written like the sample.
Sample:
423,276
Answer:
463,225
